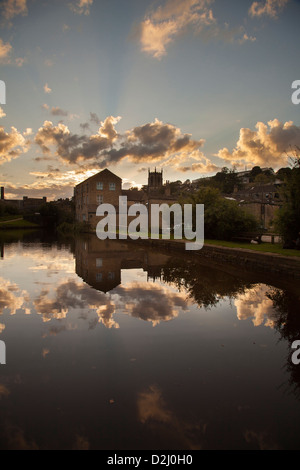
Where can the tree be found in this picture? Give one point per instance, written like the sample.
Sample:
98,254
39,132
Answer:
226,180
283,173
223,218
287,219
256,170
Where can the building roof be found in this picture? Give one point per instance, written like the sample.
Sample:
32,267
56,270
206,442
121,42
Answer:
133,195
106,173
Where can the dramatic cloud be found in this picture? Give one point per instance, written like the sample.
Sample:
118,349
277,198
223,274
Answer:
70,147
266,146
12,8
151,142
163,25
81,7
269,7
12,145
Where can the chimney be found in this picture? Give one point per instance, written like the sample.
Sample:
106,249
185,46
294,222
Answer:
2,193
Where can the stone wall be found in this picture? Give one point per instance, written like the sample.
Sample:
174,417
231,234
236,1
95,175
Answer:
246,259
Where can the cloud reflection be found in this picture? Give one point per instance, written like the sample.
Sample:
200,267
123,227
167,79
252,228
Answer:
255,304
154,412
151,302
9,300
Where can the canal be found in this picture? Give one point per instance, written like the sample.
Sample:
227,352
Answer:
115,346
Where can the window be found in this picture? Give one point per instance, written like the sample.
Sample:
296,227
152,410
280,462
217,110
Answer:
99,199
99,262
98,277
99,186
112,186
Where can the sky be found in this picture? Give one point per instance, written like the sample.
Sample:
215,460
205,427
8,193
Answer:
184,86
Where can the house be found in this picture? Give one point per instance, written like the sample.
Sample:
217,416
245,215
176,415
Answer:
106,188
103,188
262,201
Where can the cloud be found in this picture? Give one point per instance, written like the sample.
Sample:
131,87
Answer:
246,38
12,8
206,166
265,146
12,145
151,142
95,119
69,147
5,52
47,90
81,7
154,141
2,113
161,26
269,7
56,111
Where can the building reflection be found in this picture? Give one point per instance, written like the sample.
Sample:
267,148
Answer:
100,263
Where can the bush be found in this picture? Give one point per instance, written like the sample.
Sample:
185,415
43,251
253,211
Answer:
223,218
287,220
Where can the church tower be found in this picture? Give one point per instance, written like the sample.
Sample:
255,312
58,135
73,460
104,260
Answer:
155,180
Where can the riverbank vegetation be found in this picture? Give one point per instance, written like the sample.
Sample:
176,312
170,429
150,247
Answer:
287,221
223,218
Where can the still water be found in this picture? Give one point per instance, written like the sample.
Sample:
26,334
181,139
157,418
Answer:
114,346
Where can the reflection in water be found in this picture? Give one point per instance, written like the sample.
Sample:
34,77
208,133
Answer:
256,304
82,352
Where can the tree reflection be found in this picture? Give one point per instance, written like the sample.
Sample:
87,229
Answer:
287,308
205,285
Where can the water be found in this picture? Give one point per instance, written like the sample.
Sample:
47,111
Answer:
114,346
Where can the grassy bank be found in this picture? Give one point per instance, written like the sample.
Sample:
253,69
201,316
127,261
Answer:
263,247
16,223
